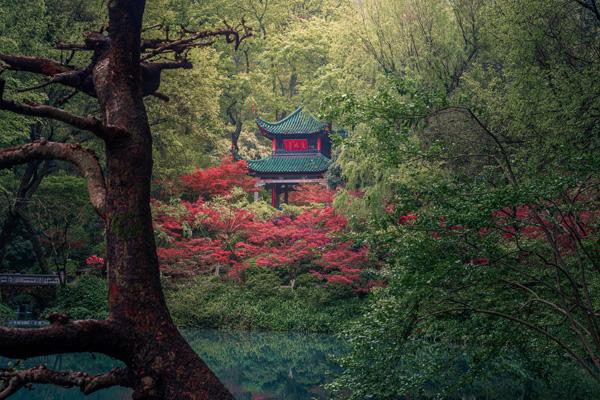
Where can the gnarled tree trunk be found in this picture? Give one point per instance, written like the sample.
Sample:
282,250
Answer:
139,331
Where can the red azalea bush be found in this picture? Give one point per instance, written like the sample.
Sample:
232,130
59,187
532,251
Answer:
219,180
217,237
95,262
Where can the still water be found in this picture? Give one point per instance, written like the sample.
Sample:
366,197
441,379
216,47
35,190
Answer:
253,365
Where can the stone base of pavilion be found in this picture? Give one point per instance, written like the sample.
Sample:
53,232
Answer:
283,187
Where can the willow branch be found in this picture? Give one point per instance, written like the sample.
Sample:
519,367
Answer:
528,324
85,160
591,6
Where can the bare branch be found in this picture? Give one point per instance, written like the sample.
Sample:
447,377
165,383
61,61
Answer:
15,380
510,175
232,34
161,96
84,159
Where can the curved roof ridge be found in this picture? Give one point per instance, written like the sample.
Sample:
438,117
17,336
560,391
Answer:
298,122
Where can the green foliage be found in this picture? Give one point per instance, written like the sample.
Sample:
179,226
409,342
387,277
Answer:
85,298
260,304
455,110
436,152
6,312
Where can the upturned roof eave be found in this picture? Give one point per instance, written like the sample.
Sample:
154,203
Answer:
322,160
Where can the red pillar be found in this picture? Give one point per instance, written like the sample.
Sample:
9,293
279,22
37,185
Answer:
274,145
274,195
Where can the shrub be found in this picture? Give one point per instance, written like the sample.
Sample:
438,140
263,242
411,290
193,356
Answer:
260,303
84,298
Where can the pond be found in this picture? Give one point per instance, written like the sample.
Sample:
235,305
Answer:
253,365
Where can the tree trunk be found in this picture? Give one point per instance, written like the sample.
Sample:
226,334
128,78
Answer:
30,181
139,330
34,239
162,362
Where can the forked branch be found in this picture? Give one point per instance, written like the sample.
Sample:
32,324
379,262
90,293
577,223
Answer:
168,54
85,160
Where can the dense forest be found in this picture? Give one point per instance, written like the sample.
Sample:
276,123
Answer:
454,252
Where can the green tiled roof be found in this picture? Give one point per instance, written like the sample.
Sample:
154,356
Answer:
296,122
290,163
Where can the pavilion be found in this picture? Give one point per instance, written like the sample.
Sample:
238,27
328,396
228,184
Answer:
301,153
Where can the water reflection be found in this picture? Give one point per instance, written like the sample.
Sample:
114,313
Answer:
253,365
267,365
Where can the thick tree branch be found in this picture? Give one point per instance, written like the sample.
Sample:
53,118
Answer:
64,336
83,81
76,79
15,380
37,65
84,159
168,65
90,123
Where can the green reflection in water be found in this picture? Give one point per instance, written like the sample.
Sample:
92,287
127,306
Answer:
253,365
269,365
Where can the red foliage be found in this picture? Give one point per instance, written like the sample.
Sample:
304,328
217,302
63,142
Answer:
204,238
406,219
548,224
558,228
96,262
480,261
219,180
